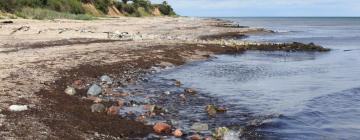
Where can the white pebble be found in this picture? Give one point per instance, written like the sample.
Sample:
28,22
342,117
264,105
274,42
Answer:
18,108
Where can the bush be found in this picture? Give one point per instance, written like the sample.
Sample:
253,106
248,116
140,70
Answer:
102,5
166,9
39,13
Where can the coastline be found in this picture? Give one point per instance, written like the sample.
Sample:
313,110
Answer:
39,77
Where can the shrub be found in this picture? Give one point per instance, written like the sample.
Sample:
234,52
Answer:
39,13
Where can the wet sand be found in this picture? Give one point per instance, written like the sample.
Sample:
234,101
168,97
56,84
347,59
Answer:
37,63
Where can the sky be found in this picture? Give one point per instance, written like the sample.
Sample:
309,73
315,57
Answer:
265,8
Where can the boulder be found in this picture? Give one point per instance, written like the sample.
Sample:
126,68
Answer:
94,90
17,108
70,91
99,108
200,127
161,127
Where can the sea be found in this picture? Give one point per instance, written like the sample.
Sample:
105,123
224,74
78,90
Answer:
286,95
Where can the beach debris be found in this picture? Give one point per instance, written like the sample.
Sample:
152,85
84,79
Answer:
106,79
212,110
70,91
190,91
177,83
7,22
98,108
17,108
94,90
200,127
161,127
113,110
178,133
22,28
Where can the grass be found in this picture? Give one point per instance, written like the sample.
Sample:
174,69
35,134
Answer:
39,13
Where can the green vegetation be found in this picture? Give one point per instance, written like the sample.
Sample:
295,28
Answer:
74,9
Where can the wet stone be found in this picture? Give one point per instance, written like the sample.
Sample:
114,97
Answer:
94,90
161,127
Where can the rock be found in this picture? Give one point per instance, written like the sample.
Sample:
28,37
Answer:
70,91
211,110
113,110
196,137
98,108
177,133
17,108
162,128
200,127
94,90
177,83
106,79
209,138
220,132
190,91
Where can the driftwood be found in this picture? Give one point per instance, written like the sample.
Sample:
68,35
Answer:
22,28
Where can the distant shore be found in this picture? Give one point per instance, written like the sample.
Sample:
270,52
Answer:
42,57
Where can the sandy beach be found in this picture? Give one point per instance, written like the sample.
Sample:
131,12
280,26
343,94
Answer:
40,58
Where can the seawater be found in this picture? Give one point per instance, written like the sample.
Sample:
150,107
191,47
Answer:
287,95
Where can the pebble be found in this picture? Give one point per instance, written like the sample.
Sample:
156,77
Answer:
70,91
113,110
17,108
196,137
178,133
106,79
177,83
220,132
98,108
190,91
94,90
200,127
161,127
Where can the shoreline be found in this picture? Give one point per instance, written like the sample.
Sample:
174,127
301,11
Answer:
70,116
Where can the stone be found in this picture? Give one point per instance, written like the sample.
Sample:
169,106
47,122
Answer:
190,91
209,138
211,110
182,96
177,83
196,137
167,92
106,79
17,108
113,110
70,91
78,82
220,132
178,133
161,127
200,127
99,108
94,90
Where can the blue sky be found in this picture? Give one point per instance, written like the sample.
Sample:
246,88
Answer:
265,8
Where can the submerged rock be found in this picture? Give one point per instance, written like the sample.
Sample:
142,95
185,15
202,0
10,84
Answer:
98,108
113,110
190,91
161,127
212,110
70,91
200,127
196,137
94,90
17,108
106,79
177,83
220,132
231,135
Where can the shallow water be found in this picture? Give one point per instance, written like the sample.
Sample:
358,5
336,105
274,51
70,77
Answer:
282,95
